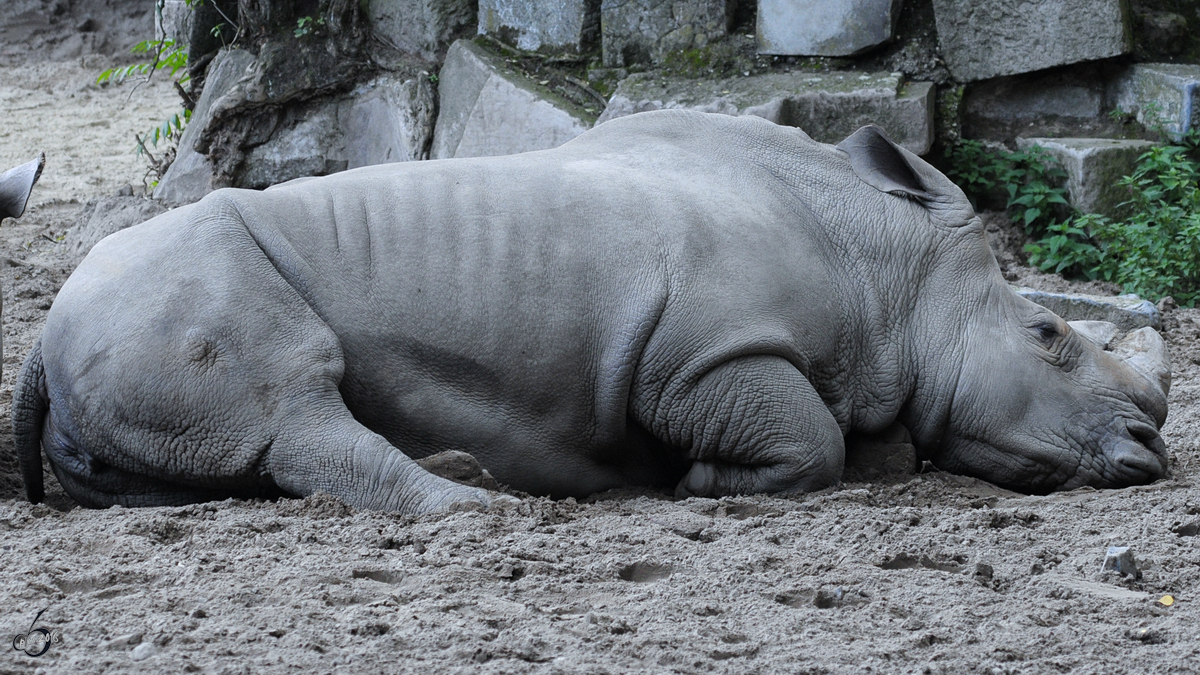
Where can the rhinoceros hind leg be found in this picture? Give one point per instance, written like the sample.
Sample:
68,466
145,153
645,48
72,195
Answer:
331,452
754,424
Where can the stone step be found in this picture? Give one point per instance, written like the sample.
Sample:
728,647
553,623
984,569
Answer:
645,31
828,106
424,27
1161,94
980,40
1093,166
487,108
824,27
564,25
1128,312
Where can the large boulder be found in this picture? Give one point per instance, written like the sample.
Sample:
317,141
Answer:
388,118
570,25
190,176
487,108
824,27
1060,102
828,106
1165,95
1094,166
645,31
989,38
424,27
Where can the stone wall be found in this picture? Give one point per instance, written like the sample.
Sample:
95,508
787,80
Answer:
404,80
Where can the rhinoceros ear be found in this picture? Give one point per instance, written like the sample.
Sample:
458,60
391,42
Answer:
16,184
882,165
890,168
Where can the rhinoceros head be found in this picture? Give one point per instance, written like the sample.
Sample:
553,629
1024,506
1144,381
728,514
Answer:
1005,390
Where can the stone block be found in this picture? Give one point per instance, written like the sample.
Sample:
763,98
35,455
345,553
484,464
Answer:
190,176
827,106
824,27
1128,312
387,119
548,25
1120,559
1093,166
423,27
1161,94
981,39
486,108
645,31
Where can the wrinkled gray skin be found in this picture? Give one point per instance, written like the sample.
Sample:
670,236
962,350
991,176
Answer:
672,298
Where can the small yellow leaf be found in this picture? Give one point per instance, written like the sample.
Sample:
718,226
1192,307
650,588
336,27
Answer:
1166,600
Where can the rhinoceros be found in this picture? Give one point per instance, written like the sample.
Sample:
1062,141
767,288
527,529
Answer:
16,185
671,299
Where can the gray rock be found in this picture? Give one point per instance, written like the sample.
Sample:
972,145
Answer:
424,27
645,31
1093,166
1128,312
1031,97
824,27
1161,94
122,641
173,21
571,25
827,106
486,108
1187,529
1120,560
102,217
190,176
143,651
389,119
980,40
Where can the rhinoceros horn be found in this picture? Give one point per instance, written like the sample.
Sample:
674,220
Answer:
1143,349
15,186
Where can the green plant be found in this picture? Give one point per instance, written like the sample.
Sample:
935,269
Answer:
1030,181
307,24
167,56
1155,251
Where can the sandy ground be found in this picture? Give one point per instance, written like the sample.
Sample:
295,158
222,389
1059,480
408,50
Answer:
928,573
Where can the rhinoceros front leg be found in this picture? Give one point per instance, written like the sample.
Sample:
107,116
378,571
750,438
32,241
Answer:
753,424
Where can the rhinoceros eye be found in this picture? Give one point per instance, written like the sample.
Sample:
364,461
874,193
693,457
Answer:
1046,331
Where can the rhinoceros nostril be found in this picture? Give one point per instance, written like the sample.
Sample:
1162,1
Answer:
1138,461
1149,437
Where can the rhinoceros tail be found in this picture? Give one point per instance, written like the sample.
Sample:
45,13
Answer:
29,407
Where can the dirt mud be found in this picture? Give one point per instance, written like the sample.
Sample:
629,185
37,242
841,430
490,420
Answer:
925,573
